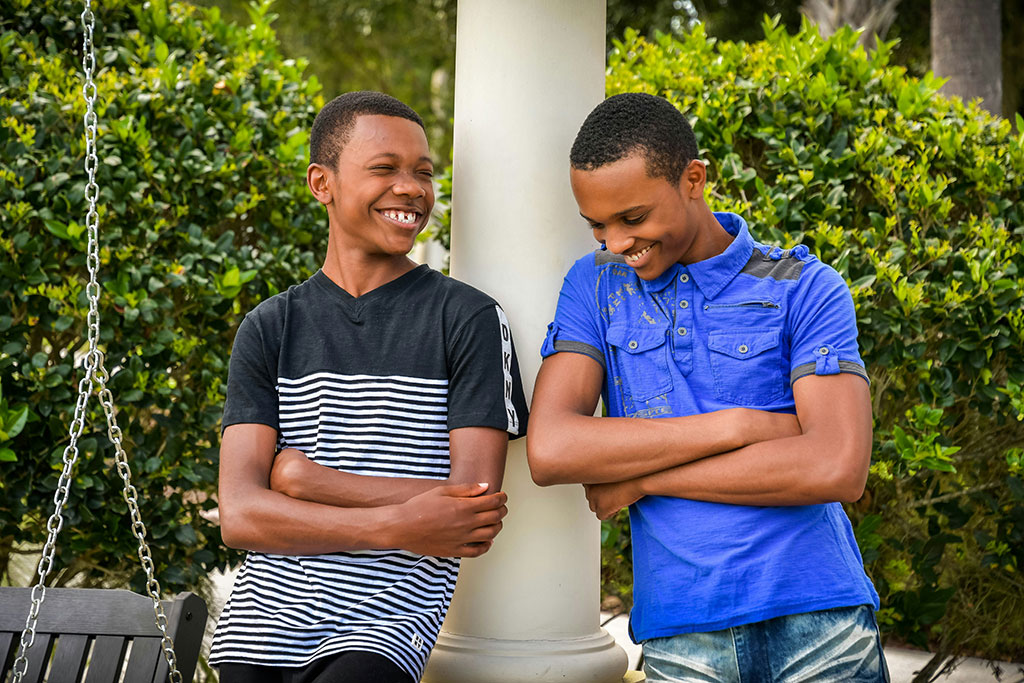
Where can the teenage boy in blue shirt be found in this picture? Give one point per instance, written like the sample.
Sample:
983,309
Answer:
738,416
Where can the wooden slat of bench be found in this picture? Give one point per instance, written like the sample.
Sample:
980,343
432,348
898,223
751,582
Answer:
68,659
38,658
145,654
107,659
8,649
81,611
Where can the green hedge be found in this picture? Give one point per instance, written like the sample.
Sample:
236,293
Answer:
918,201
203,132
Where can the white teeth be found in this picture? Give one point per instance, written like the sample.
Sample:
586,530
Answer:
633,258
400,216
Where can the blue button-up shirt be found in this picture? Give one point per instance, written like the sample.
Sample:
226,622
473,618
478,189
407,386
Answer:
734,330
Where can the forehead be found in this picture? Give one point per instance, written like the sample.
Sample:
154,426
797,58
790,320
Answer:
375,135
614,187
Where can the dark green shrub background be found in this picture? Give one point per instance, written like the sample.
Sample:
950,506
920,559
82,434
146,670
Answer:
914,198
202,144
917,200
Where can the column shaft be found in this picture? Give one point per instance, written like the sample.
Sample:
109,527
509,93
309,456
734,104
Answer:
527,73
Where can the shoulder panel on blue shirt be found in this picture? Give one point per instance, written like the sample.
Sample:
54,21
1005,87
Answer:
604,257
784,265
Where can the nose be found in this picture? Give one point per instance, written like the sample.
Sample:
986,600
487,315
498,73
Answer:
617,241
408,185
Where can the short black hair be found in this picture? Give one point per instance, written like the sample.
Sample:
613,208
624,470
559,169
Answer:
636,122
333,125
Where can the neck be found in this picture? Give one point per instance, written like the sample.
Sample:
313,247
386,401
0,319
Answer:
711,238
358,273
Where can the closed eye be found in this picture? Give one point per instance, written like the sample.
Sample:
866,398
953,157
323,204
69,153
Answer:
634,220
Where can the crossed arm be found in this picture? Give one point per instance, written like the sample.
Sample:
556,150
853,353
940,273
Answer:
284,503
739,456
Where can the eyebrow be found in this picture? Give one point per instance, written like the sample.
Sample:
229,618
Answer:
392,155
616,215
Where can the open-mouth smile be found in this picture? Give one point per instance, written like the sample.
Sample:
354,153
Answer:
406,218
635,258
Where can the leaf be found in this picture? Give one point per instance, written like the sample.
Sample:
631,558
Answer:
7,455
161,52
58,228
15,421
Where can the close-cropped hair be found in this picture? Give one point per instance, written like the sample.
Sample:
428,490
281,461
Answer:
633,123
332,127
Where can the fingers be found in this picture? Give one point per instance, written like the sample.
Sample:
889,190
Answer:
474,549
463,490
492,501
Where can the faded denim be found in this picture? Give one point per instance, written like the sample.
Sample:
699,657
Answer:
828,647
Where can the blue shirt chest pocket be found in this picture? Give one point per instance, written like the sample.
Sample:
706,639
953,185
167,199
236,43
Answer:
640,361
747,365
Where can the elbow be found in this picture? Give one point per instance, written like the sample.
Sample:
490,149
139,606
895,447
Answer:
230,533
284,476
541,469
846,483
849,491
542,455
235,530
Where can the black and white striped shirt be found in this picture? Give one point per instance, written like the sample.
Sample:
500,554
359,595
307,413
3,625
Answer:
372,386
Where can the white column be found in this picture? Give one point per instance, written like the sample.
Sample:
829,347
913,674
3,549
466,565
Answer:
527,72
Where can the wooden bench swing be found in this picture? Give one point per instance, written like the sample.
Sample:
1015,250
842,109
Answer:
96,635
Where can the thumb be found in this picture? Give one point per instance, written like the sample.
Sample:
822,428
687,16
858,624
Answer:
463,490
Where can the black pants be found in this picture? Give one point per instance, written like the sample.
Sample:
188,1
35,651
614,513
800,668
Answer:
347,667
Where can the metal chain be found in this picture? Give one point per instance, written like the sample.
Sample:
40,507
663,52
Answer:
95,377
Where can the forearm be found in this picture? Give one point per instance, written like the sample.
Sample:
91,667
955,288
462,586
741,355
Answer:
574,448
791,471
267,521
298,477
477,455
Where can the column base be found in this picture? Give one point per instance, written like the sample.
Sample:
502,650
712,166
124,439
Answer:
468,659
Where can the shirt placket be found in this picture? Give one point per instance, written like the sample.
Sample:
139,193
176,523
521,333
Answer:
681,333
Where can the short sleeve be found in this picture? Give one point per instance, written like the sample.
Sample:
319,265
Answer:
575,328
252,381
823,327
484,385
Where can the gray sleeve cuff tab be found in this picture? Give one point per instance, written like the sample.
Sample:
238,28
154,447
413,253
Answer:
847,366
580,347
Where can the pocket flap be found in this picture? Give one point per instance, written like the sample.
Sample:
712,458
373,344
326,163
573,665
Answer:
635,339
744,343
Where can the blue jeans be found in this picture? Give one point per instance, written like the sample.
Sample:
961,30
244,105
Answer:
828,646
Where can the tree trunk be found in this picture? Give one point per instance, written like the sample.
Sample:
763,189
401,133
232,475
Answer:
871,17
966,49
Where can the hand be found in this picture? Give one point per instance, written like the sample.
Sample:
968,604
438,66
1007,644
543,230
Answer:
607,499
451,521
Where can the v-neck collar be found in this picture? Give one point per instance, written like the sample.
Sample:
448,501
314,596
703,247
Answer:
354,306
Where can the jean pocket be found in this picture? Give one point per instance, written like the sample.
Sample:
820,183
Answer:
641,360
747,365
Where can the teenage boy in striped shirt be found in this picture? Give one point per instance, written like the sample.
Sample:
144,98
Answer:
367,417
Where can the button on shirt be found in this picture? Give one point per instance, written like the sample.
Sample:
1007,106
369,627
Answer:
733,330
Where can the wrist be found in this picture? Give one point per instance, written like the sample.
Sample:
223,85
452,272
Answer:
637,487
739,428
392,527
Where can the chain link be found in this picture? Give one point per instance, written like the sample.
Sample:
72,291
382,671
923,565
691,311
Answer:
95,377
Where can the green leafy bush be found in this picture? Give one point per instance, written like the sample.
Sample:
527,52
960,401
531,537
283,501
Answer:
918,200
202,143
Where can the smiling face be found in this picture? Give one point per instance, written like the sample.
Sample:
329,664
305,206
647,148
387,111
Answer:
380,195
650,221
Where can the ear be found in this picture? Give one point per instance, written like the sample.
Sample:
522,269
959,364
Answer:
318,180
691,183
